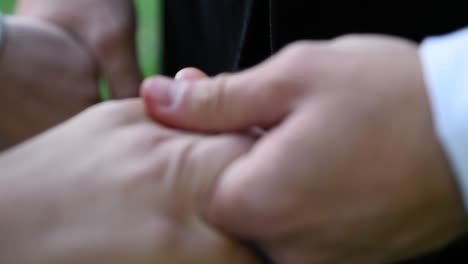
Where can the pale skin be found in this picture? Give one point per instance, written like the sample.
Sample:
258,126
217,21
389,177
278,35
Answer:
112,186
46,77
350,171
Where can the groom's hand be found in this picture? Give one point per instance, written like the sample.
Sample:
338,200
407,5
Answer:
351,170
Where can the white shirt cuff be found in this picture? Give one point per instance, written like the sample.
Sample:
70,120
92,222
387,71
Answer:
445,62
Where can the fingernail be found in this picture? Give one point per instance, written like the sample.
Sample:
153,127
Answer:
164,92
159,90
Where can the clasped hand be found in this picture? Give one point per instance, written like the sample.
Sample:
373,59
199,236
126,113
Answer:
350,171
112,186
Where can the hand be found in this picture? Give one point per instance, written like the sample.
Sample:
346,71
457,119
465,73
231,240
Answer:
111,186
105,27
46,78
350,171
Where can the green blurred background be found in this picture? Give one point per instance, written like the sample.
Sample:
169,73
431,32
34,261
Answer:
149,32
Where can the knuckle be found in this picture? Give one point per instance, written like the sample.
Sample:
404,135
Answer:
298,57
211,101
296,65
219,94
297,51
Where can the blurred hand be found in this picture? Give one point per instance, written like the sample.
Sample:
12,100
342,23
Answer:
105,27
46,78
111,186
350,171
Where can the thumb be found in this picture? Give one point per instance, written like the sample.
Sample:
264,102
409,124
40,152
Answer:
223,103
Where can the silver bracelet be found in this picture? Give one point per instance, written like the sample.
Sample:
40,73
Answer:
3,34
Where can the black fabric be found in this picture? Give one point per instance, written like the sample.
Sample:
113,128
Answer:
204,33
324,19
228,35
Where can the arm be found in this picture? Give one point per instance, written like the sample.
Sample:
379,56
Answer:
445,61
